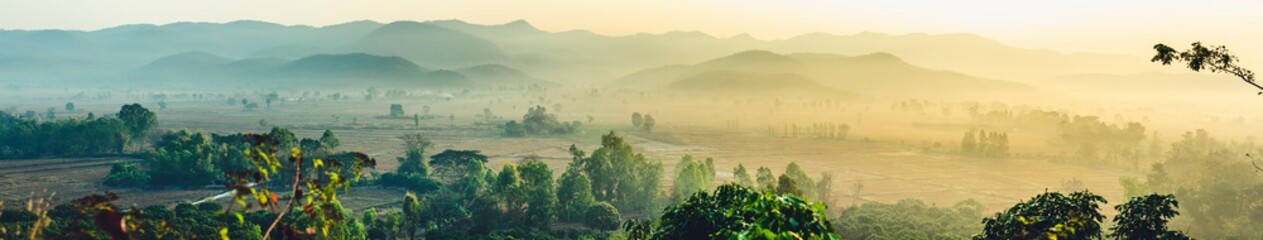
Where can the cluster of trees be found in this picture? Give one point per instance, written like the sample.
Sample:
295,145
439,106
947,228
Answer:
458,196
1096,140
26,138
910,219
645,122
794,181
985,144
187,158
692,176
538,121
818,130
1215,181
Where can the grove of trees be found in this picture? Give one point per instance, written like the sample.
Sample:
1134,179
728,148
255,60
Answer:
538,121
26,137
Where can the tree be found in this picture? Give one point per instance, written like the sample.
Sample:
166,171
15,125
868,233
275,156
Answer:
396,110
70,107
968,144
1048,216
637,120
1214,58
453,164
649,123
766,180
736,212
741,176
183,158
574,194
413,215
786,185
1146,217
137,119
824,188
619,175
329,141
691,177
541,199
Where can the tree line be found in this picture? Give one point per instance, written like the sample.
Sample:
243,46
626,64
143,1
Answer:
24,137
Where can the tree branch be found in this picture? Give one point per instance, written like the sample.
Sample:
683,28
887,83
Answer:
289,206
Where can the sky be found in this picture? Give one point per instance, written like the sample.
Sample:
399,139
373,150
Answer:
1102,26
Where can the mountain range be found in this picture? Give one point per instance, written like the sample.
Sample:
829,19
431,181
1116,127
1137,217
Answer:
453,53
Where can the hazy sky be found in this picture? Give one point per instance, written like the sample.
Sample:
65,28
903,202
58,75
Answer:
1114,26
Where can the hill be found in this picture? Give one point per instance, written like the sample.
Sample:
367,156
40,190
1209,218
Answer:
877,74
427,44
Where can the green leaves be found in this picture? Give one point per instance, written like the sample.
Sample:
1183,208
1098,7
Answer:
1049,215
737,212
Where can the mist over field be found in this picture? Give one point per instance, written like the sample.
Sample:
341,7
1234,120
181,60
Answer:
446,129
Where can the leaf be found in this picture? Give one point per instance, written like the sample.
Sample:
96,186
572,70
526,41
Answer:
272,195
317,164
240,219
223,233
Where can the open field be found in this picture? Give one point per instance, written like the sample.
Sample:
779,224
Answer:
885,151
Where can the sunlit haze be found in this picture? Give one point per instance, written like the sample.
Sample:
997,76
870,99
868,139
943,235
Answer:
1065,25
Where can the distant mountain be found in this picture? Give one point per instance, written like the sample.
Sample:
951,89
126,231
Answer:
748,83
428,45
577,56
316,71
320,71
501,75
877,74
967,53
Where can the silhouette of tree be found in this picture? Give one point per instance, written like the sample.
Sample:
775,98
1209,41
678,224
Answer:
1217,59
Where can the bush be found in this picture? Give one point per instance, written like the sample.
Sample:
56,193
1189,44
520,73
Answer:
126,174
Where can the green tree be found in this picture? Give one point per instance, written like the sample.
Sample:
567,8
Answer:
691,176
786,185
1146,217
637,119
742,177
413,161
1048,216
621,176
574,194
413,215
453,164
329,141
137,119
766,180
736,212
541,198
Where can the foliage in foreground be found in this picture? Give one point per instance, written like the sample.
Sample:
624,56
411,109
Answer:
910,219
736,212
